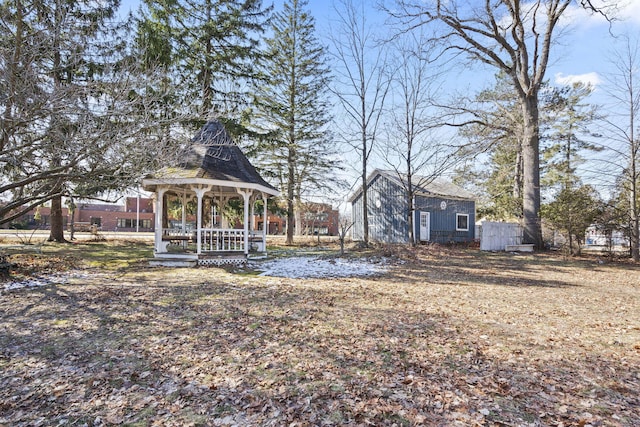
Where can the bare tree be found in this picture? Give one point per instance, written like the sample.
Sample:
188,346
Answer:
75,111
361,87
624,89
515,37
345,223
414,150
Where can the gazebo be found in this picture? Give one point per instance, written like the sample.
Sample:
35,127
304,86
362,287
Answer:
213,175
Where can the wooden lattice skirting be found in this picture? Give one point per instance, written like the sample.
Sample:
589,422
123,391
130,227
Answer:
207,262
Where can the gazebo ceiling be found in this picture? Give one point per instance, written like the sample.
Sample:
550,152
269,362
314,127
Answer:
213,160
213,188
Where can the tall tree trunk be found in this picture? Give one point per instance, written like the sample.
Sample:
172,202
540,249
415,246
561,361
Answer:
410,206
633,171
56,132
207,95
365,159
365,201
411,217
365,207
57,229
517,179
633,200
290,198
72,220
570,240
531,172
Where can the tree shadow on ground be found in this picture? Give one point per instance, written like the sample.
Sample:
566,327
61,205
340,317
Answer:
185,346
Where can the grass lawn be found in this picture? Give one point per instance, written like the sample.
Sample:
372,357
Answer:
444,337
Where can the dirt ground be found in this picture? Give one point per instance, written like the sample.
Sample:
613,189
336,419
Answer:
444,337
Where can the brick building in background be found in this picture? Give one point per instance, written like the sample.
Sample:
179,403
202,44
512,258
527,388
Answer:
315,218
137,215
319,219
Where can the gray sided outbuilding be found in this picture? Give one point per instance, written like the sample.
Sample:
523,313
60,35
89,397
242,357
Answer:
444,213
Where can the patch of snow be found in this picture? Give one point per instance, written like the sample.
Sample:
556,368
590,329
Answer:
37,281
316,268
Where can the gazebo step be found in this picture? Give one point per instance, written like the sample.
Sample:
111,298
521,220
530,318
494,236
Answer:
173,262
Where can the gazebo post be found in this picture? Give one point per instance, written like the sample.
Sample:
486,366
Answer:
158,231
246,195
224,221
200,194
184,212
252,217
265,223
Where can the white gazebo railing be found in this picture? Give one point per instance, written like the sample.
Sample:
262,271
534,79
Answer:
175,236
201,243
222,240
177,233
211,239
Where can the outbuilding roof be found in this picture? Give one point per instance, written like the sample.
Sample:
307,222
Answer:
425,186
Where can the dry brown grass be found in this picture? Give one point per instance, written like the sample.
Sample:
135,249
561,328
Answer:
446,337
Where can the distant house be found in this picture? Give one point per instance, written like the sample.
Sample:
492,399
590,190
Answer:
595,237
444,212
315,219
319,219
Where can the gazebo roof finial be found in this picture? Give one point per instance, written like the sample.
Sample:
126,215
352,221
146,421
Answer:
213,133
213,115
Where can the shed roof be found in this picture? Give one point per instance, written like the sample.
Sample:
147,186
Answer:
422,185
213,155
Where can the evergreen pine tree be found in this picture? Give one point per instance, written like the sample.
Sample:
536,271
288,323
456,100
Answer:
62,47
495,128
293,107
210,48
567,119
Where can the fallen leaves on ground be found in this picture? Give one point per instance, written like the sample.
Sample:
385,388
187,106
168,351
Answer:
447,337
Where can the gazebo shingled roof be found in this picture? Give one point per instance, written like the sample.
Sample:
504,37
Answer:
214,155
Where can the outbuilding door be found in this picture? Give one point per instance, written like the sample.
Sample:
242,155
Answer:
425,229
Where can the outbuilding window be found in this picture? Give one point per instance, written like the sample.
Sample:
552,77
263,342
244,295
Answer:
462,222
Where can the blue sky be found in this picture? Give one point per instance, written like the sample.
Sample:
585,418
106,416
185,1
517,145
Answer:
582,54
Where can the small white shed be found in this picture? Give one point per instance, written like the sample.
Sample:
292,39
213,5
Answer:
497,236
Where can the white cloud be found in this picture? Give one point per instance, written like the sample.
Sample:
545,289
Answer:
625,10
630,11
592,78
580,17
